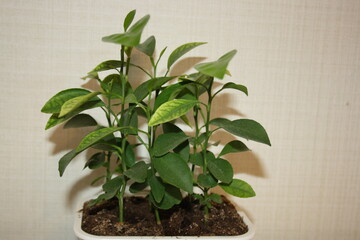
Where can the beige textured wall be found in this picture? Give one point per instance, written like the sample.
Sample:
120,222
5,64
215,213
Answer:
300,60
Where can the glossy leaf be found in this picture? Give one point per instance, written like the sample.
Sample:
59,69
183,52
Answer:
130,38
221,170
217,68
148,46
96,136
169,93
81,120
171,110
65,160
157,188
180,51
138,172
53,105
167,142
238,188
207,180
55,119
128,19
76,102
173,170
246,128
234,146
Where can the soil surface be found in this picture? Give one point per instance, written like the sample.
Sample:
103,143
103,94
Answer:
185,219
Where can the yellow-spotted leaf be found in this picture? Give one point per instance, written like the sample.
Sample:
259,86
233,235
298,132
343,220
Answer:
171,110
76,102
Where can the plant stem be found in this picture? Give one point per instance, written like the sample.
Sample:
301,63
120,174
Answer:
121,203
157,216
205,147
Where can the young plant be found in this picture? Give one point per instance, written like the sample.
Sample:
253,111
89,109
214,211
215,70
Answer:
165,173
215,170
171,165
117,99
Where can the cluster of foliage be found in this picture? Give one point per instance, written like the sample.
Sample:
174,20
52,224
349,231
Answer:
177,161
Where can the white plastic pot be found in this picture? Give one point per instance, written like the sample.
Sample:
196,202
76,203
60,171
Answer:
86,236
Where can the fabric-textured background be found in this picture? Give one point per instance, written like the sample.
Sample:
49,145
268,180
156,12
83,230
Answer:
300,60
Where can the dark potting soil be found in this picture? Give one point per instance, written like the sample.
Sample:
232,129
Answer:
186,219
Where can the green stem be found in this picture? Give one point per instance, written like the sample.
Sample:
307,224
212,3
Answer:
121,203
205,147
157,216
108,172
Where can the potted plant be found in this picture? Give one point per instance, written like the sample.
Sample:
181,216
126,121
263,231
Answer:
181,168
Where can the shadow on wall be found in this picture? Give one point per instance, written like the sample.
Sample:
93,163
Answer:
68,139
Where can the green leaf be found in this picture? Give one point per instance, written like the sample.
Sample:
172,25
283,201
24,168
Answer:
156,83
96,180
231,85
129,155
148,46
246,128
173,170
91,75
197,159
234,146
238,188
167,142
81,120
215,197
171,197
112,186
221,170
169,93
171,110
65,160
55,119
137,187
217,68
97,160
96,136
207,180
157,188
180,51
53,105
130,119
137,172
128,19
150,85
76,102
113,85
130,38
107,65
184,148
